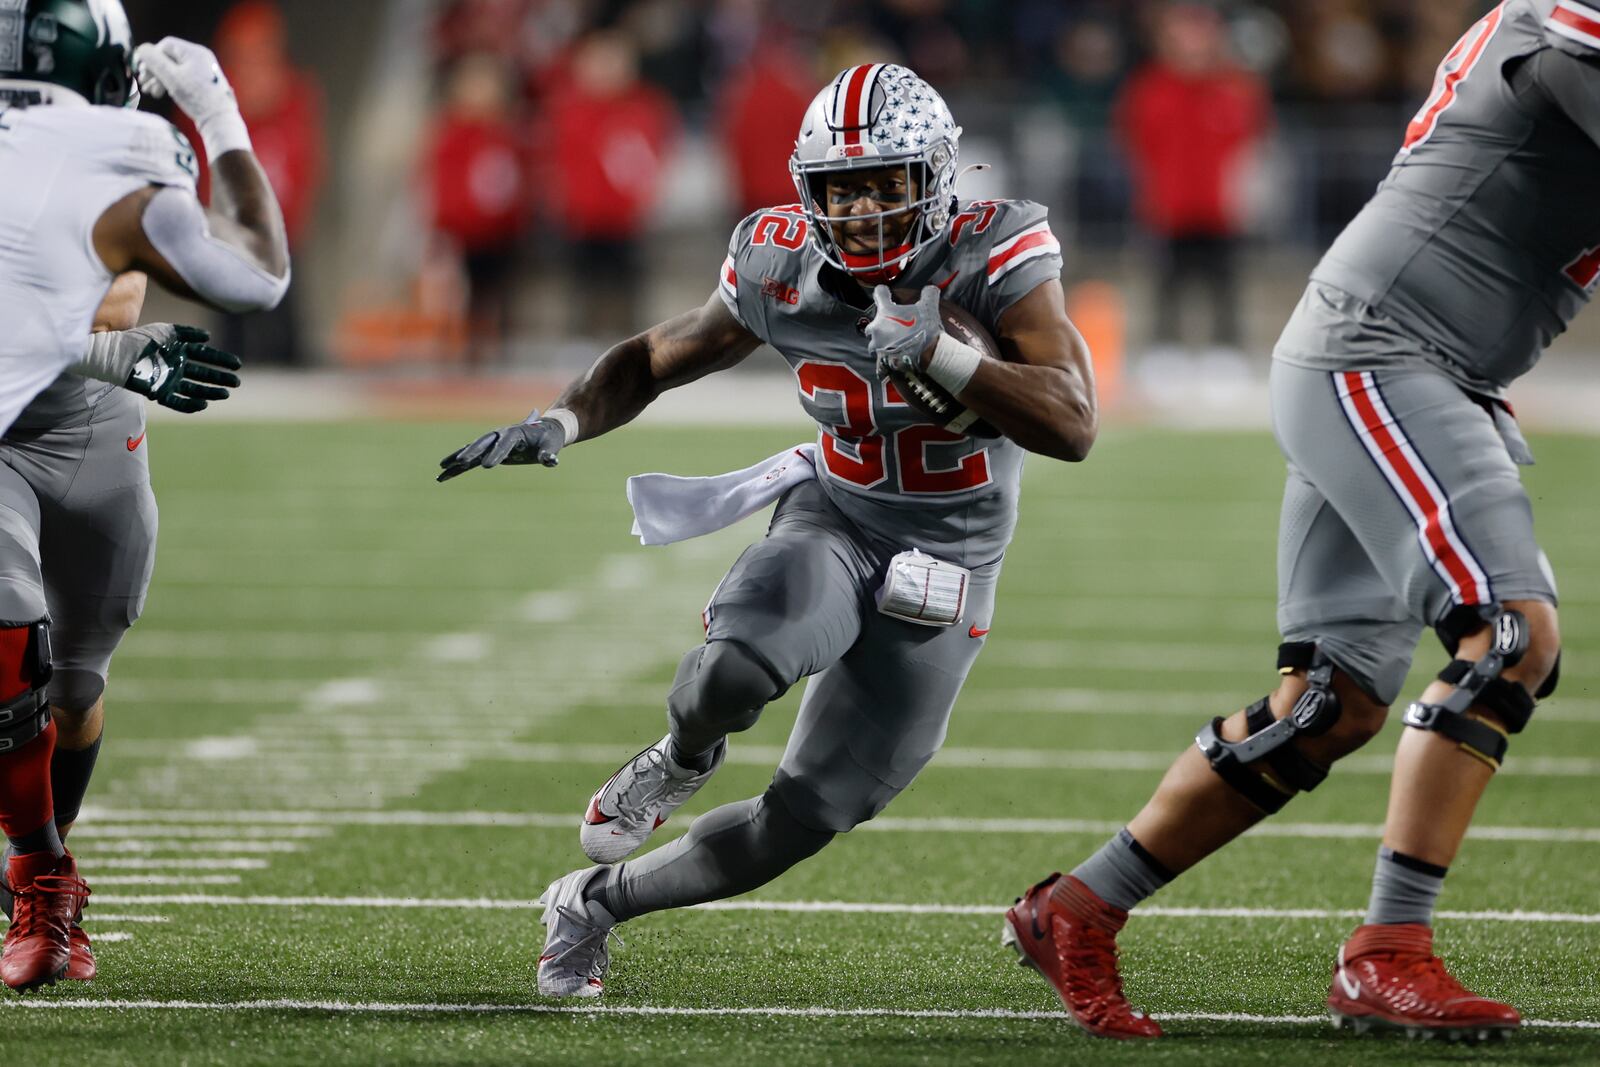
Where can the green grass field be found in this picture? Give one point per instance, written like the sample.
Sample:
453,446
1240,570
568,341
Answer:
350,740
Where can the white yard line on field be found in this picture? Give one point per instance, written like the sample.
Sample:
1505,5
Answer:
347,1007
311,758
882,824
563,686
831,907
173,863
165,879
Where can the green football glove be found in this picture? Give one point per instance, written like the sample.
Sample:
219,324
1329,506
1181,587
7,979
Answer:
178,370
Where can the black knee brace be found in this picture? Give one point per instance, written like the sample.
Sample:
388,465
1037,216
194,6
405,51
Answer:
723,683
1265,768
1479,683
24,717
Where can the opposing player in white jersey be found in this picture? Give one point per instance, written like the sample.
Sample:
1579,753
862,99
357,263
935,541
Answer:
1402,510
896,501
94,189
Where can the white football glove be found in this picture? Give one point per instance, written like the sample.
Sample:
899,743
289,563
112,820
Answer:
189,73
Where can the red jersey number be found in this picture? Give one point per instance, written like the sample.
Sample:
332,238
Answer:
785,231
1453,70
854,452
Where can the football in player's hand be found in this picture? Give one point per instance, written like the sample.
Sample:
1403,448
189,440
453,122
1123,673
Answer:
931,398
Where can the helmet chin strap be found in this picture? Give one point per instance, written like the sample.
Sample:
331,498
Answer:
879,268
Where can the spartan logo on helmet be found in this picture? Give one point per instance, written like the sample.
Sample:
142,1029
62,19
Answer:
52,51
873,116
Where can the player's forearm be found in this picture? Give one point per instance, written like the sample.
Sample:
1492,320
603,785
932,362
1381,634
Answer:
1048,410
245,212
614,391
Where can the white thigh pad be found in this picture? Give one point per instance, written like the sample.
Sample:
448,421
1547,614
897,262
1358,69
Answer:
924,590
218,273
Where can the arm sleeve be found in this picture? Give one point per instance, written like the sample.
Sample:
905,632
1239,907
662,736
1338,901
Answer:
218,273
1024,254
1572,82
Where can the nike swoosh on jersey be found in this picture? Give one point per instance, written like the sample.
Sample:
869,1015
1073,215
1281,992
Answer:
135,442
973,631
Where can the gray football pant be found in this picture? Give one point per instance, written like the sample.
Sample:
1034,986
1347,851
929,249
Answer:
1402,501
801,602
78,538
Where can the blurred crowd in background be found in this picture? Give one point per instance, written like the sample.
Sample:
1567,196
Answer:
1173,142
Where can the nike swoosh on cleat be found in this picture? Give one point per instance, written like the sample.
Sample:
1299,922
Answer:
1352,989
594,816
903,322
975,632
135,442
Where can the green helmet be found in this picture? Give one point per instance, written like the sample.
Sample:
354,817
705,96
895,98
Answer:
85,46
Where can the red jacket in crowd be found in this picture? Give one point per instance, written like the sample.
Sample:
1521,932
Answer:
288,142
607,155
1185,133
761,108
479,182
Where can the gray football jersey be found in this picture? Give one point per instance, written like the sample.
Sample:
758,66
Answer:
1484,240
67,401
888,468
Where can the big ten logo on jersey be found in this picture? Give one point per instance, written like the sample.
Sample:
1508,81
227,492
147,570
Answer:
873,439
978,215
773,289
785,227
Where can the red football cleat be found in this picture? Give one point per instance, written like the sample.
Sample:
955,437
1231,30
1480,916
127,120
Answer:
1064,931
1387,977
81,968
47,898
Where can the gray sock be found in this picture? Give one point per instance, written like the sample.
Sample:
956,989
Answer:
1404,889
1122,873
727,851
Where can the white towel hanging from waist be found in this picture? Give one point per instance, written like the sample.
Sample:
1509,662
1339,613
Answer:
667,508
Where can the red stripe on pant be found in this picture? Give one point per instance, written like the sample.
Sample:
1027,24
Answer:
1466,586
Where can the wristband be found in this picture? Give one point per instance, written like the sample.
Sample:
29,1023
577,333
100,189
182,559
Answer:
109,358
564,419
224,132
953,363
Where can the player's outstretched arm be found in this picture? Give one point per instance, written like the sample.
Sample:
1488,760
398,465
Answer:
171,365
1042,396
622,383
233,255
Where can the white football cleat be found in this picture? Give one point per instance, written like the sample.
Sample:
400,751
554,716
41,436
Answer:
637,799
575,956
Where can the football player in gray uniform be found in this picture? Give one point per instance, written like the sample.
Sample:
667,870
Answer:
80,526
95,190
1403,510
898,505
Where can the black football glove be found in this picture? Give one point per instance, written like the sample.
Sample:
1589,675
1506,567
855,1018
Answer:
178,370
529,441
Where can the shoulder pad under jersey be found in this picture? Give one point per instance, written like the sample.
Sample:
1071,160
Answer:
767,258
1571,26
1001,250
135,144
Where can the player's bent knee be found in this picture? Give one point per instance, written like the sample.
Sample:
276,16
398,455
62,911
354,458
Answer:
1493,696
723,683
75,692
1361,718
24,674
1268,767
